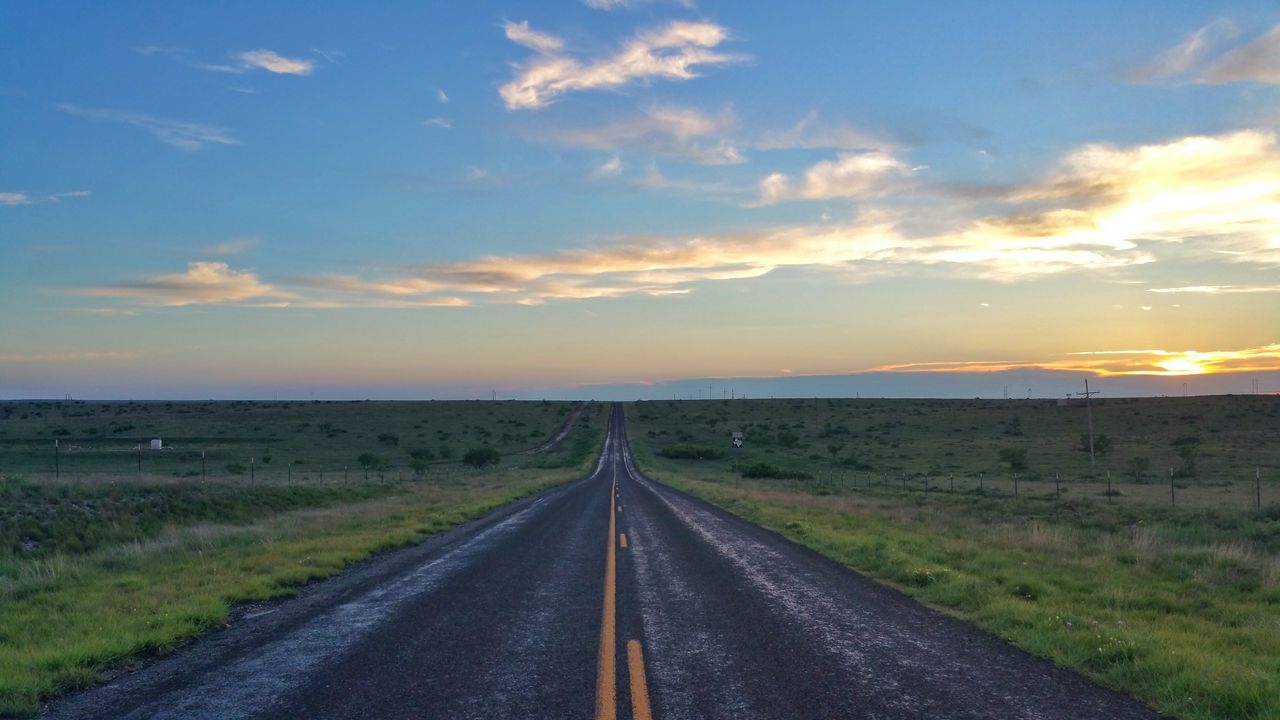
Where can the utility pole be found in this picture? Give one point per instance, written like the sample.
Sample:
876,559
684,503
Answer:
57,462
1088,404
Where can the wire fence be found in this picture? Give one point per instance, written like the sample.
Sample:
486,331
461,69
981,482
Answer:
1246,490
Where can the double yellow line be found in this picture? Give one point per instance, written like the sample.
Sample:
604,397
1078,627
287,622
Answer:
607,663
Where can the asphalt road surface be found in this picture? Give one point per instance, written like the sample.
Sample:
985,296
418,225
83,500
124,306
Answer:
613,597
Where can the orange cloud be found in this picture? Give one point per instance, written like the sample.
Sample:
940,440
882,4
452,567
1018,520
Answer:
1110,363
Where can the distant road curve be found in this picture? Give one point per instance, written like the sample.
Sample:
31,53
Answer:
613,597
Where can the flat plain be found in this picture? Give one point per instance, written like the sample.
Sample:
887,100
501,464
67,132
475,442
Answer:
1170,594
103,565
1162,583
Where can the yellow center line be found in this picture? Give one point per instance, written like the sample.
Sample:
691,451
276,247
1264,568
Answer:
622,539
639,688
607,665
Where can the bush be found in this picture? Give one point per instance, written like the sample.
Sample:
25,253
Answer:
481,456
691,452
772,472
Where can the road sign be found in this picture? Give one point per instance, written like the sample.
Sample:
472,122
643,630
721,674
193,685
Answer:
737,439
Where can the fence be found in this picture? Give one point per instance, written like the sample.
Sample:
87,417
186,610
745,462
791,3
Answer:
1253,489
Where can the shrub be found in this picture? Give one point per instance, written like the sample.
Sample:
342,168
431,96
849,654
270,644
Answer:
684,451
481,456
767,471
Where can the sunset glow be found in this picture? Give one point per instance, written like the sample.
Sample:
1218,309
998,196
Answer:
445,200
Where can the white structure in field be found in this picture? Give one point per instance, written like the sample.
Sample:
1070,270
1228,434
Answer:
157,444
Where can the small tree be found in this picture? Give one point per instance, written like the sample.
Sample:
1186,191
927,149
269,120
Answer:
418,466
1138,467
481,456
1016,457
1188,449
1101,443
368,460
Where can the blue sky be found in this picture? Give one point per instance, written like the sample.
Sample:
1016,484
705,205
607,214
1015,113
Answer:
409,200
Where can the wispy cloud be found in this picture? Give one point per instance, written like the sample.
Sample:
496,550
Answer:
268,60
521,34
811,134
202,283
673,52
677,132
609,168
66,356
177,133
442,96
1200,58
631,4
1101,208
1186,55
333,57
1114,363
25,198
1217,289
246,61
851,175
235,246
439,122
1257,62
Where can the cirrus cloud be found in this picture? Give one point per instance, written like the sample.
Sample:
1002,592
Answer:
202,283
674,51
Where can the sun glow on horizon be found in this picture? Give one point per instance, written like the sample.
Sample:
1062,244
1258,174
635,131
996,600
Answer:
1111,363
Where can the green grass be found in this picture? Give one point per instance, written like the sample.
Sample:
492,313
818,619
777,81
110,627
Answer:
1179,607
850,441
103,590
280,441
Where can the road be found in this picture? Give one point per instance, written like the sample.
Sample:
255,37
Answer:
613,597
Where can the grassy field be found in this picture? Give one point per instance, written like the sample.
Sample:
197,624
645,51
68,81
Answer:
101,568
268,441
1213,445
1177,606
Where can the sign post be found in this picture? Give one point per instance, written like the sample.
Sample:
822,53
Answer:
736,439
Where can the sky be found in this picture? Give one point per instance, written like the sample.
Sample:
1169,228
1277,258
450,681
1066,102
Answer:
635,198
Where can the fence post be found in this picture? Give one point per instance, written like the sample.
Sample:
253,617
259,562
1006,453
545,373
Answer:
1257,488
1015,486
204,477
904,482
1172,501
926,483
1109,495
953,483
980,490
1057,485
252,473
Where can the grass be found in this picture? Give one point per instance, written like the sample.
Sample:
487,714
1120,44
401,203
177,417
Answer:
270,441
850,442
156,562
1178,607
